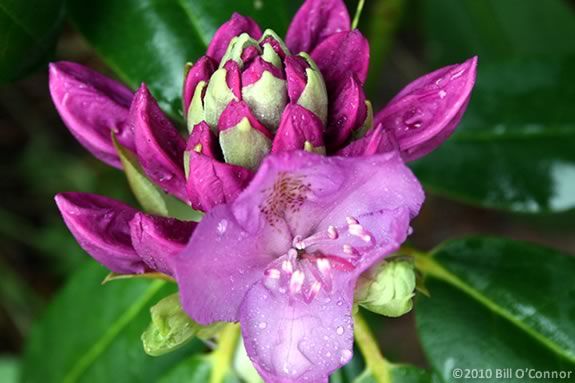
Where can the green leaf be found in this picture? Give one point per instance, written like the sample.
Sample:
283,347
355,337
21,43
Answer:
91,333
497,303
151,198
514,148
196,369
150,41
9,369
28,30
497,29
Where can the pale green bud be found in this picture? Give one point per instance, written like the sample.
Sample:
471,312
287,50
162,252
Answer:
236,48
314,95
388,289
196,112
218,96
267,99
172,328
244,145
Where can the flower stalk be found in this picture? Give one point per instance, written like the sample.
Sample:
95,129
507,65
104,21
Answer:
376,363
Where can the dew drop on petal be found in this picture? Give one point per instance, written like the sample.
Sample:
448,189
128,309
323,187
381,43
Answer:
345,356
263,325
339,330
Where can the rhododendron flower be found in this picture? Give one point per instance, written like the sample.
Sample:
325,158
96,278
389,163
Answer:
287,233
284,257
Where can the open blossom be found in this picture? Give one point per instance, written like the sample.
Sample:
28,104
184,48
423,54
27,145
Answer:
287,233
284,257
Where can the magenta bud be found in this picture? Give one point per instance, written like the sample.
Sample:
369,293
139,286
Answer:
101,227
159,146
201,71
202,140
299,129
93,107
341,55
376,141
237,25
295,68
254,71
212,183
426,112
158,239
316,20
348,112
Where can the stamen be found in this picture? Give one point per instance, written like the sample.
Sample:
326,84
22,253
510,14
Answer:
292,255
273,273
332,232
296,281
313,291
323,265
298,243
359,231
287,266
347,249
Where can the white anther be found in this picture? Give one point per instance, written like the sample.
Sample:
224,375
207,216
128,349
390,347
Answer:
296,281
355,229
287,266
332,232
347,249
366,238
351,221
273,273
323,265
298,242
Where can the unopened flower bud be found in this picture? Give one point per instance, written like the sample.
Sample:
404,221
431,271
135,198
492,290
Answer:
171,327
388,288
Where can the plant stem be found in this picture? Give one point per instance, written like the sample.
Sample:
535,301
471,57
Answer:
224,354
357,15
376,363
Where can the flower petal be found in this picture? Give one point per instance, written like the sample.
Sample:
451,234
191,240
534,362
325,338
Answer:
159,146
235,26
101,227
217,267
158,239
426,112
293,341
314,21
299,128
92,107
341,55
211,182
347,112
200,71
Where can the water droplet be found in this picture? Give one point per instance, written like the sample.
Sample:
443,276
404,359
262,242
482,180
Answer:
222,226
442,94
345,356
339,330
263,325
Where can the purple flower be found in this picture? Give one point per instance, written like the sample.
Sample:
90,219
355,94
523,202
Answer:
287,233
283,258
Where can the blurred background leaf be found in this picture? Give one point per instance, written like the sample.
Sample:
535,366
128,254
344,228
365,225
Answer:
91,333
513,149
497,303
28,32
153,40
9,370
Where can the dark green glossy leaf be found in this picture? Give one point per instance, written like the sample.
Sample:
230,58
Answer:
28,30
514,147
497,304
91,333
495,29
150,41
